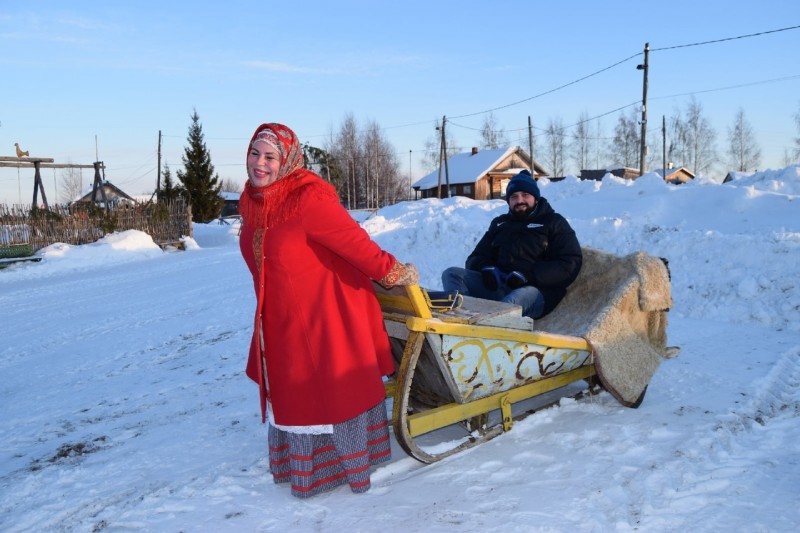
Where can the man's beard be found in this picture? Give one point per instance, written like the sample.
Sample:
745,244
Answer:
521,214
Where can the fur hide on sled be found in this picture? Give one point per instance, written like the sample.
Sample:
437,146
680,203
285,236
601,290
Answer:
619,305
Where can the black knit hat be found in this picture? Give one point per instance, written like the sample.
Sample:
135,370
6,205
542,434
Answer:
523,182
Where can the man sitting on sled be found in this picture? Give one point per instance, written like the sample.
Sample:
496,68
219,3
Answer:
528,256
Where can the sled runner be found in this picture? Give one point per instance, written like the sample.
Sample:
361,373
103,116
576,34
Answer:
462,360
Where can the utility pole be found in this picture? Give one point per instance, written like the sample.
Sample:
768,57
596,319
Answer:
442,158
664,144
644,67
408,192
530,144
158,174
441,164
444,152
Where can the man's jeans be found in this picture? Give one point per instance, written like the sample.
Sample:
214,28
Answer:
470,283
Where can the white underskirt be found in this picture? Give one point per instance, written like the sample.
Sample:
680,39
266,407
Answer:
321,429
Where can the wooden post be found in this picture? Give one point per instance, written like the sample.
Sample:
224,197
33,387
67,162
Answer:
37,184
22,162
98,184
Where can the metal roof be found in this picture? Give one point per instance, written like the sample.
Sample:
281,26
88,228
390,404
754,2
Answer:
465,167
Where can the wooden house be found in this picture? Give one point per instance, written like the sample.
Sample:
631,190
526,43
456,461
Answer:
113,195
675,175
477,174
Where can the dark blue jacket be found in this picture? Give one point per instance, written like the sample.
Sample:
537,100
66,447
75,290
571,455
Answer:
543,247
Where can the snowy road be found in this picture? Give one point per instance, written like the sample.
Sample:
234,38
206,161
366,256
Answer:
125,408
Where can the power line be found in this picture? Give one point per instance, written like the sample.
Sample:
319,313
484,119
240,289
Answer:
517,130
785,78
551,90
578,80
628,59
725,39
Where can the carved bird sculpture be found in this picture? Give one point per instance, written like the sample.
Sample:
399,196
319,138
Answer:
20,153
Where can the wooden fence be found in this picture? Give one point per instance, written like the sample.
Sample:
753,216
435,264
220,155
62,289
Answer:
26,228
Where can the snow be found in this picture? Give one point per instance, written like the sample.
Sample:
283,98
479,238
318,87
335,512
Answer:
125,406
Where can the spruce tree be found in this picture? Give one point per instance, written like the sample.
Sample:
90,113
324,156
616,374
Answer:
169,191
202,186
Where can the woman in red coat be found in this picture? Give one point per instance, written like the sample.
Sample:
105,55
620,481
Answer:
319,349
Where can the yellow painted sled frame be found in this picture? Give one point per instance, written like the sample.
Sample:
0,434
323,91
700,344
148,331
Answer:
413,320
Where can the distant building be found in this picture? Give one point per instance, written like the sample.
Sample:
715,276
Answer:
734,175
477,174
672,175
675,175
231,206
115,196
620,172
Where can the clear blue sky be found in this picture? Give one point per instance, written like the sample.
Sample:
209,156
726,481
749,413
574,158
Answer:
118,72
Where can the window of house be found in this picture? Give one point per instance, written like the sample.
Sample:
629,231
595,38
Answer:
467,189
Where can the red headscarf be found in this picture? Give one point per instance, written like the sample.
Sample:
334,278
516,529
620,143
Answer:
262,207
287,144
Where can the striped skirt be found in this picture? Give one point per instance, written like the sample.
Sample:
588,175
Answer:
315,463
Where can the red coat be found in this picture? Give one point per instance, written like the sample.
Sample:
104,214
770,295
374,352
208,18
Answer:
326,347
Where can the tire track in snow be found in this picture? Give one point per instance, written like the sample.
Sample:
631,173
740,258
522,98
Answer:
726,459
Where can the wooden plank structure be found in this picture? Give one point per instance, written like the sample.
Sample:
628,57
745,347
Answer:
38,163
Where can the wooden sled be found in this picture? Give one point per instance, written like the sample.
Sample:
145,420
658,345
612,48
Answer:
458,365
16,253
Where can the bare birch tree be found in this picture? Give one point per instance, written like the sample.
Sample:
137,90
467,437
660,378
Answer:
345,150
582,143
555,146
625,146
693,139
229,185
368,163
743,150
797,139
382,168
492,136
787,158
71,185
598,149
